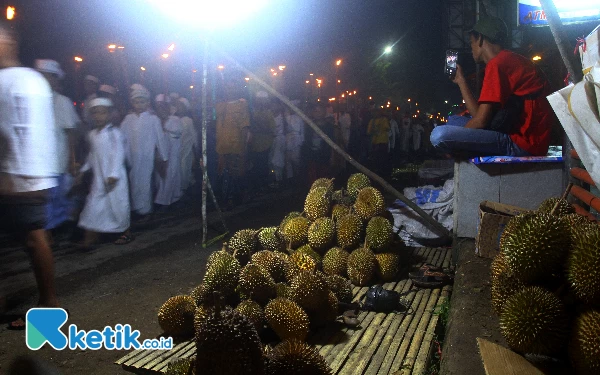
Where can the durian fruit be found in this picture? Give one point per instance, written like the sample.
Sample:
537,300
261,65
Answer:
583,264
388,266
227,343
287,319
308,250
294,357
222,275
200,294
243,244
341,287
584,348
300,262
252,310
379,233
533,320
283,290
215,255
270,239
295,232
200,314
339,210
317,203
309,290
272,262
176,316
180,366
287,218
504,283
349,231
321,233
369,203
361,266
327,312
356,183
564,207
255,282
535,245
335,262
337,195
323,182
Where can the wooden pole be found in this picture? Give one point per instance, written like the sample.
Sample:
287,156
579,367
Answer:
204,128
434,224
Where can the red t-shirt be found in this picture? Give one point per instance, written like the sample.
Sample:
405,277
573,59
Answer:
509,73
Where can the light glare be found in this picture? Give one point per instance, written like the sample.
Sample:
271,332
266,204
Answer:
10,13
78,59
142,68
171,47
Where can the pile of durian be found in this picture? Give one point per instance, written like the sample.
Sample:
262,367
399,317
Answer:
546,285
288,279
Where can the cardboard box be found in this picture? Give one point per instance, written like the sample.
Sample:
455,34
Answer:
591,55
493,217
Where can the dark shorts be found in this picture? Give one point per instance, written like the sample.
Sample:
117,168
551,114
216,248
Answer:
22,214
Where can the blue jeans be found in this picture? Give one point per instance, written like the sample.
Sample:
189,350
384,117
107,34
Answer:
454,138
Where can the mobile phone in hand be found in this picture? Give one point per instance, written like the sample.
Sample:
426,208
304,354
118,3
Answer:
451,59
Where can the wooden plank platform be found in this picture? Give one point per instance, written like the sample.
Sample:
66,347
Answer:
395,343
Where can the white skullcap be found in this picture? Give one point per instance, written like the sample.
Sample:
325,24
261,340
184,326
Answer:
137,86
162,98
140,93
104,102
186,103
262,95
174,95
92,78
49,66
108,89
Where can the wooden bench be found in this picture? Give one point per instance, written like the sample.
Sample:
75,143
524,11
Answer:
392,343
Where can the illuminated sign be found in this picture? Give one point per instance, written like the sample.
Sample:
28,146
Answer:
530,11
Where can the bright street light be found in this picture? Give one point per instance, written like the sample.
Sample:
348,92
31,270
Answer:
10,13
142,68
247,79
338,62
220,67
165,55
409,99
445,101
536,58
307,82
281,67
78,59
112,46
191,87
311,74
171,47
387,49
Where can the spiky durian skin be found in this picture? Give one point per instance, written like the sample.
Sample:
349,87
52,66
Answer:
294,357
349,230
270,239
341,287
201,294
335,262
356,183
256,283
287,319
200,314
308,250
564,207
252,310
504,283
583,265
535,246
227,343
300,262
180,366
321,233
309,290
379,233
324,183
272,262
222,275
584,347
388,266
317,203
534,320
283,290
326,313
369,203
176,316
243,244
361,266
295,232
287,218
339,210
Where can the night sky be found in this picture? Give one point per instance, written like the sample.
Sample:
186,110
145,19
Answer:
305,35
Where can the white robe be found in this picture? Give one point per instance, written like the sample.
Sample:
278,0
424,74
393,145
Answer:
144,137
106,211
169,186
189,141
294,138
277,156
405,134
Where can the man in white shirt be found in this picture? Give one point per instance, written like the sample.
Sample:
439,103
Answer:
28,164
66,120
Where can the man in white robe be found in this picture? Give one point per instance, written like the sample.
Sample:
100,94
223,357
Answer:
146,142
169,180
277,156
294,139
189,143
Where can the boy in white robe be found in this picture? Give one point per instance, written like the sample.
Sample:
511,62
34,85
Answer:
169,180
145,139
106,208
189,143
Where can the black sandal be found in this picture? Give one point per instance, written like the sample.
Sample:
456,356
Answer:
124,239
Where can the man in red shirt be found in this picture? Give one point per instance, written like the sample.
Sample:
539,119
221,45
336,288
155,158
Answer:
511,84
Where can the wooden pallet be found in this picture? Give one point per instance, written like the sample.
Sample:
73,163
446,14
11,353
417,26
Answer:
394,343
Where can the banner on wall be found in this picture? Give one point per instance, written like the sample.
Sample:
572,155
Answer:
530,11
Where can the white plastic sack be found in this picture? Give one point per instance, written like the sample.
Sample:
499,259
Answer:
590,53
588,150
